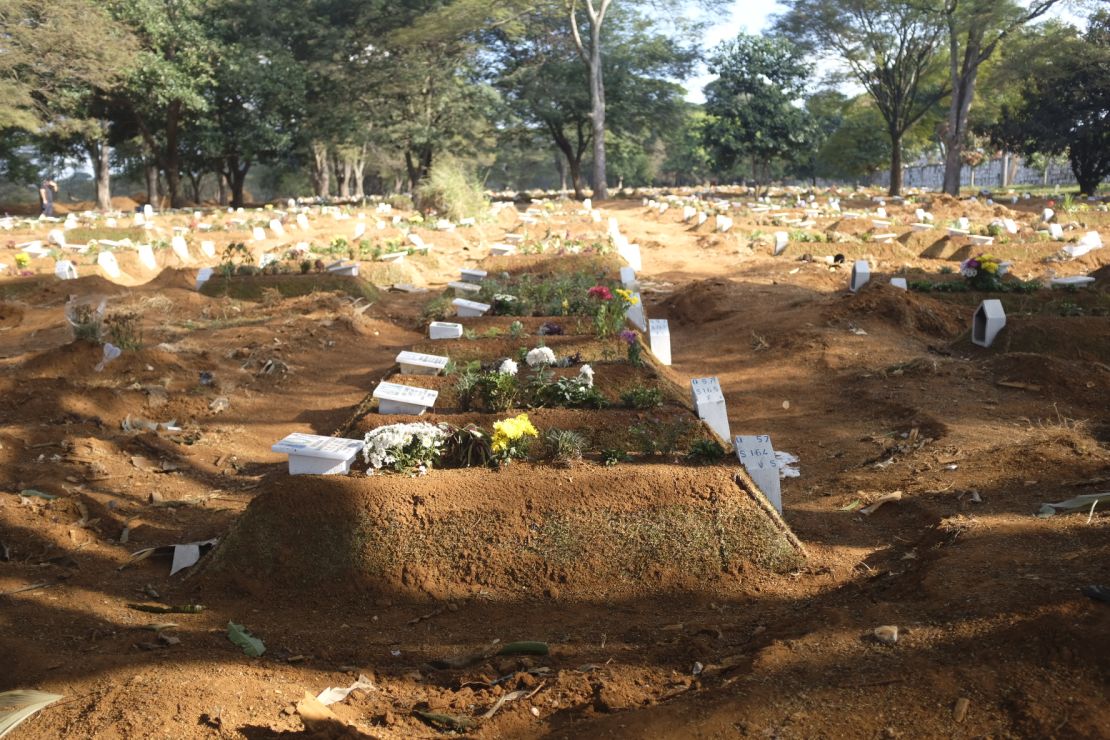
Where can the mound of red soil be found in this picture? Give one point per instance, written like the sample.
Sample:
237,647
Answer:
704,301
912,312
522,532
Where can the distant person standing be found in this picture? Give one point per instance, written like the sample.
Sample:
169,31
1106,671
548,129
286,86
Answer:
46,196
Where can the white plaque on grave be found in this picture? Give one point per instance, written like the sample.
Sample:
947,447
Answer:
473,276
636,313
394,398
417,241
148,211
1056,231
502,250
782,239
445,330
724,223
416,363
628,278
311,454
899,282
710,403
469,309
990,318
702,217
360,230
463,288
277,228
861,273
660,334
204,274
258,233
758,458
208,248
56,236
65,270
180,248
688,212
146,257
108,263
302,222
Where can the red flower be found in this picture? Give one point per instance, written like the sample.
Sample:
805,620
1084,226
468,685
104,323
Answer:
601,292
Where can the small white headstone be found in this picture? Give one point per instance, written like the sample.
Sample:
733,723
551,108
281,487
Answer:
473,276
660,334
302,222
445,330
588,204
148,211
204,274
1056,231
899,282
861,273
267,259
963,223
394,398
502,250
463,288
108,263
782,240
981,241
208,249
702,217
990,318
146,257
688,212
880,212
1047,214
56,236
311,454
180,248
417,241
628,278
258,234
65,270
469,309
636,313
758,458
1009,225
277,228
724,223
710,403
360,230
1089,241
416,363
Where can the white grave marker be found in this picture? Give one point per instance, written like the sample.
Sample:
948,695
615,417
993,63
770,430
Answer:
861,273
469,309
502,250
758,458
258,234
148,211
311,454
302,222
473,276
660,334
702,217
1056,231
1089,241
1047,214
394,398
710,403
636,314
463,288
181,249
688,212
65,270
782,240
56,236
899,282
990,318
724,223
445,330
146,257
628,278
108,263
204,274
416,363
277,228
208,248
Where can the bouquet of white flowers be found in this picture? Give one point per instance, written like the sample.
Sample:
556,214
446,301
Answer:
540,356
406,448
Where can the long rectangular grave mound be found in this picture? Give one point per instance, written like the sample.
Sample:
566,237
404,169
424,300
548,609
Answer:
551,264
525,532
255,287
586,348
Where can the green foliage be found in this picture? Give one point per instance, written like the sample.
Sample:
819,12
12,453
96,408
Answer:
452,191
612,456
87,323
661,436
565,445
705,452
497,391
466,385
467,447
642,397
567,392
124,330
516,330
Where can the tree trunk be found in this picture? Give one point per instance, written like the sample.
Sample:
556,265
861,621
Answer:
320,174
561,168
895,163
1005,178
597,115
99,153
963,73
221,188
358,167
152,185
1088,167
197,182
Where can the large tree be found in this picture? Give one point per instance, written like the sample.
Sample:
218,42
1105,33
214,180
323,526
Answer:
751,106
889,46
975,30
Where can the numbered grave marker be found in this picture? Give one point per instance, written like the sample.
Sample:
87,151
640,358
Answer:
660,335
636,313
311,454
181,249
989,320
65,270
108,263
394,398
861,273
416,363
710,403
758,458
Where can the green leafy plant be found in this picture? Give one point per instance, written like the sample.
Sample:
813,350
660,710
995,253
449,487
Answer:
87,322
565,445
516,330
642,397
612,456
705,452
124,330
466,385
467,447
497,391
661,436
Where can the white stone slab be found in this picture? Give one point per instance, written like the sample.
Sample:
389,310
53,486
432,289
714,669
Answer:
660,334
758,458
963,223
394,398
208,248
445,330
1047,214
636,313
360,230
710,403
311,454
981,241
65,270
502,250
108,263
473,276
628,278
277,228
1086,243
1056,231
417,363
302,222
56,236
688,212
148,211
181,249
921,227
346,269
899,282
702,217
204,274
469,309
861,273
258,234
782,240
1073,281
463,288
989,320
146,257
723,223
881,238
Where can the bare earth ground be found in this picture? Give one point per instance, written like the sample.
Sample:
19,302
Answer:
986,596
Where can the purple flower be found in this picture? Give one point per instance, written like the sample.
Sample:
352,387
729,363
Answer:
629,336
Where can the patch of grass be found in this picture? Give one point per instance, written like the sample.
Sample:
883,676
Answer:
124,330
642,397
452,191
253,287
565,445
85,234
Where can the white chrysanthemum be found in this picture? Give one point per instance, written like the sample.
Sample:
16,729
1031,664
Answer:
540,356
586,373
508,367
383,443
504,297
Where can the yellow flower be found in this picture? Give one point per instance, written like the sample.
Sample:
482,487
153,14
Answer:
627,297
507,431
566,305
990,267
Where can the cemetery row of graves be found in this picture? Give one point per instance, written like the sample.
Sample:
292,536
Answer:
557,466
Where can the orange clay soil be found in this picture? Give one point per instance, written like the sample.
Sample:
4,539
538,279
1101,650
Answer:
874,393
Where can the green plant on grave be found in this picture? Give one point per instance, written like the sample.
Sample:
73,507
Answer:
470,334
516,330
467,447
1067,308
452,190
338,246
491,333
642,397
87,322
569,392
635,352
945,270
661,436
612,456
705,452
466,385
437,309
233,258
124,331
565,445
497,391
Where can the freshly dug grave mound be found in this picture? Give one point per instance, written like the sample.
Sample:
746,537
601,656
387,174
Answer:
254,287
1082,338
586,532
552,263
705,301
911,311
588,348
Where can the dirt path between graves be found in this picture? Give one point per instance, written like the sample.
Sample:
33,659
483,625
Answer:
875,393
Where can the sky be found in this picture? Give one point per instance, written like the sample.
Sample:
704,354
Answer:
751,16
